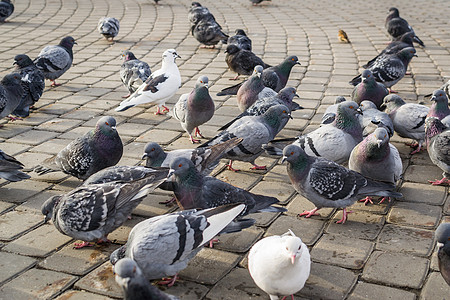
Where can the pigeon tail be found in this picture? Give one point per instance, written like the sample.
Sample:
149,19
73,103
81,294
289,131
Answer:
263,204
238,225
418,41
47,166
14,175
232,90
272,150
356,80
379,188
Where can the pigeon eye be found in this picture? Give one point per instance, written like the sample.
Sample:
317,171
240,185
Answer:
107,123
180,165
293,59
440,95
299,247
292,153
153,149
351,106
284,111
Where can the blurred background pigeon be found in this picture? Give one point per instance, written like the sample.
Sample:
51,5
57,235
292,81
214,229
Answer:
242,61
209,33
10,168
11,92
342,35
241,40
397,26
6,10
197,12
108,27
256,2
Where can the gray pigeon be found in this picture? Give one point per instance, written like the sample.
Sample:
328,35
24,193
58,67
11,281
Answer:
134,285
163,246
197,12
371,117
108,27
92,211
33,83
11,92
6,10
408,119
439,108
55,60
327,184
255,131
242,61
241,40
397,26
97,149
330,113
10,168
195,108
369,89
133,72
438,147
209,33
442,235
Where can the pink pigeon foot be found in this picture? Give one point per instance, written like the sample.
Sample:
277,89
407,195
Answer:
104,240
126,96
168,201
417,150
367,199
197,132
392,91
384,198
309,213
235,78
443,181
284,298
82,245
212,242
230,167
193,141
408,73
54,83
168,281
165,108
344,216
256,167
12,118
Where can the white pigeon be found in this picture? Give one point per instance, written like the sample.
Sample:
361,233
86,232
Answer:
159,87
279,265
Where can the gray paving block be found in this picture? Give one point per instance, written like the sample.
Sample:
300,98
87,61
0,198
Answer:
309,230
33,137
15,223
360,224
415,214
424,193
187,290
80,295
282,191
299,204
13,264
435,287
366,291
17,192
239,242
243,180
101,281
421,173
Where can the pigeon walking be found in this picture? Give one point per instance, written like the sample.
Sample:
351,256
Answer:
279,265
11,92
108,27
438,147
327,184
209,33
10,168
372,118
330,113
33,83
6,10
369,89
97,149
241,40
242,61
439,108
55,60
442,235
194,109
133,72
159,87
397,26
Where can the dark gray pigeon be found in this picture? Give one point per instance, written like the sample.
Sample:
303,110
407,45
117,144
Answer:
438,147
442,236
10,168
327,184
241,40
255,131
33,83
408,119
97,149
133,72
92,211
397,26
197,12
330,113
194,109
134,284
209,33
242,61
6,10
163,246
108,27
369,89
439,108
55,60
11,92
372,117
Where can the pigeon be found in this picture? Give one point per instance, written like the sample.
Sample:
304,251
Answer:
438,147
369,89
134,285
97,149
195,108
377,159
209,33
408,119
33,83
445,87
371,117
344,133
279,265
389,69
439,107
10,168
330,113
6,10
11,92
108,27
163,246
197,12
133,72
92,211
328,184
205,159
159,87
275,77
342,35
242,61
442,235
241,40
397,26
256,2
55,60
255,131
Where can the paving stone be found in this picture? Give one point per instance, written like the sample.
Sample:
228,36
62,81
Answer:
309,230
360,224
422,174
239,242
101,281
299,204
162,136
187,290
4,206
366,291
13,264
33,137
435,287
80,295
424,193
282,191
151,207
242,180
59,124
15,223
17,192
120,235
415,214
277,173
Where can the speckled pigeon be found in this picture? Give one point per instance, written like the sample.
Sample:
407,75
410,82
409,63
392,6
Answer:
442,236
11,92
159,87
6,10
108,27
55,60
209,33
369,89
197,12
241,40
438,147
327,184
195,108
134,284
10,168
133,72
33,83
92,211
97,149
330,113
408,119
163,246
371,117
242,61
397,26
439,108
255,131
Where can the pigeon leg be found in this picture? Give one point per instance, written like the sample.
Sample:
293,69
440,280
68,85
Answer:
104,240
384,198
419,147
256,167
443,181
168,281
12,118
126,96
367,199
212,242
235,78
193,141
82,245
408,73
230,167
309,213
165,108
391,91
54,83
158,111
197,132
284,298
344,216
168,201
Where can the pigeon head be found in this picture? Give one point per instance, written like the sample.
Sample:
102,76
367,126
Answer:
202,81
125,269
277,116
439,96
180,166
287,94
394,12
170,55
391,102
367,76
12,80
293,246
339,99
106,125
292,153
128,55
232,49
257,71
154,154
292,60
240,32
442,235
366,105
407,37
433,126
22,60
381,124
68,42
407,54
48,207
380,136
195,4
6,1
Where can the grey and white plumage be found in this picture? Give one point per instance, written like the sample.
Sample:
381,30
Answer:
55,60
11,92
330,113
279,264
92,211
327,184
209,33
371,117
241,40
438,146
397,26
33,83
108,27
134,284
439,107
163,245
197,12
97,149
442,236
10,168
133,72
195,108
242,61
369,89
6,10
159,87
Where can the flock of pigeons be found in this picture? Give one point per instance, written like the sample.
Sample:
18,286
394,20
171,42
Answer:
163,246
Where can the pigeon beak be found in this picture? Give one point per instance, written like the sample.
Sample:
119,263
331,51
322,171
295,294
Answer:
75,42
415,55
298,63
296,95
144,156
359,111
178,56
206,85
293,258
383,106
439,245
47,218
283,159
171,172
14,63
379,143
290,116
433,98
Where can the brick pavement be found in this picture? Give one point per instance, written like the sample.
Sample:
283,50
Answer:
382,252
